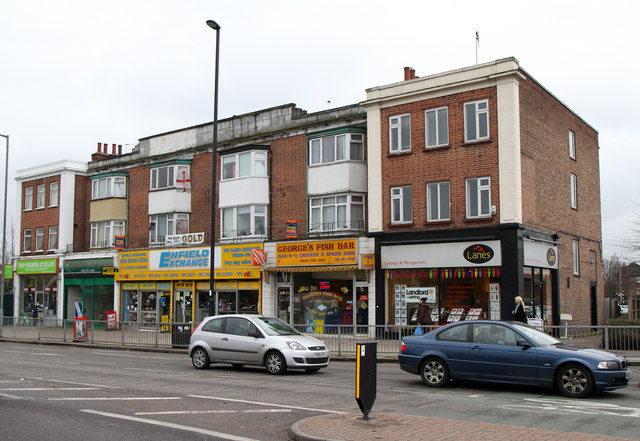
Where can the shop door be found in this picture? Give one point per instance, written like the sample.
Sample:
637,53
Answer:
182,307
284,303
362,308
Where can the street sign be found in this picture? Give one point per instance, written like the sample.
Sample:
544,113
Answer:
109,270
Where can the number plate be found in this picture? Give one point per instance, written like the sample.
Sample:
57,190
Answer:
629,374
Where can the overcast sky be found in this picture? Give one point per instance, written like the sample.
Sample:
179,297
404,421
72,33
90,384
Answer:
77,72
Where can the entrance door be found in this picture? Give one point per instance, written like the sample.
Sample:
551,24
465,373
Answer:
284,303
594,305
182,304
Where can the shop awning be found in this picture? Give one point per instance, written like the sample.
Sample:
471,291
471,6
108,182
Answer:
310,269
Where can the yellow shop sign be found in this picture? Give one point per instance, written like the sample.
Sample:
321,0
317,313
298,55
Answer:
328,252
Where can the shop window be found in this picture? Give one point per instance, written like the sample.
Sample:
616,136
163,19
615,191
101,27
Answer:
478,197
240,165
437,127
399,133
476,121
28,199
53,194
401,209
40,197
163,225
335,213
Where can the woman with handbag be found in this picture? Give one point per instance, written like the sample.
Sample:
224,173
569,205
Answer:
423,314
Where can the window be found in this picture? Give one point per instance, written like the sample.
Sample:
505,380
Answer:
26,243
40,197
574,192
163,225
28,199
457,333
438,204
113,186
572,145
169,176
576,257
244,164
39,239
476,121
247,220
53,194
53,238
478,197
401,211
340,212
103,233
399,133
334,148
437,127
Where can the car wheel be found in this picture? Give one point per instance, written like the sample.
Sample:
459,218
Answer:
434,372
575,381
200,358
275,363
312,370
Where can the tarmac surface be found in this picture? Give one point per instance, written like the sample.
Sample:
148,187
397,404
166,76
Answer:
392,427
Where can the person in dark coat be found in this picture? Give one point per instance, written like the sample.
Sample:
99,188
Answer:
423,315
519,313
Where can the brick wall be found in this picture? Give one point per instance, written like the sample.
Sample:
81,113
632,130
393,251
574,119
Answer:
81,225
200,219
39,217
138,234
546,170
454,163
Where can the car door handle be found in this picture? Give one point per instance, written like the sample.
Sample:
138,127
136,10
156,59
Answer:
476,347
225,339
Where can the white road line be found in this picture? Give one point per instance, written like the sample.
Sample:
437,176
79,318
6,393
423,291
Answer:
226,436
264,404
567,407
10,396
183,412
75,383
114,398
14,389
115,354
36,353
159,371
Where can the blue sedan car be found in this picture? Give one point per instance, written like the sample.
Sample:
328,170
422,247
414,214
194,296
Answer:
510,352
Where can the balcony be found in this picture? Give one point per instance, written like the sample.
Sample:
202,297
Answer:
339,228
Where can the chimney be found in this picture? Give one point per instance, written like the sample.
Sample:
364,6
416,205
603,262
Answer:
113,149
105,146
120,149
99,147
407,73
412,73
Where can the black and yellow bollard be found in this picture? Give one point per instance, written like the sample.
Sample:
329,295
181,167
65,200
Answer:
366,376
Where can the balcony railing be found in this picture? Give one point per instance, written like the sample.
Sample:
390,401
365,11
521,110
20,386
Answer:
336,228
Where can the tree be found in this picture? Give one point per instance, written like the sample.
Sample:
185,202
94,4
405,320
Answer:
612,282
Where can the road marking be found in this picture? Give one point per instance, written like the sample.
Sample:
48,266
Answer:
76,383
10,396
13,389
225,436
183,412
114,398
569,407
265,404
35,353
115,354
159,371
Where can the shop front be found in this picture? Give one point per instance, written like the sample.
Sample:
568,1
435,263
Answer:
321,283
539,273
87,288
36,285
460,280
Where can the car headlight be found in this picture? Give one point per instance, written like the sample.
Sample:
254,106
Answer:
608,365
296,346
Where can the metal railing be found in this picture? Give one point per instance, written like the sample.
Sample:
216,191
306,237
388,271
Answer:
340,339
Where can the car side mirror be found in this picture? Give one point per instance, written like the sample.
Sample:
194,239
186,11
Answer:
522,342
255,333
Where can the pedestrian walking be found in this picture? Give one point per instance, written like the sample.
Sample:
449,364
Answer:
34,316
423,314
519,312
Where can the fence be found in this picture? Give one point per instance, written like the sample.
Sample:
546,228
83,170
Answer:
340,339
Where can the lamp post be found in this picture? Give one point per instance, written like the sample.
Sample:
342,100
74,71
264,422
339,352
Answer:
4,236
212,291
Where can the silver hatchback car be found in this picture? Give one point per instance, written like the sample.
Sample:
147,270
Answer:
255,340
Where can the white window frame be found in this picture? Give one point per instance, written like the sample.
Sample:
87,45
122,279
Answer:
399,139
26,240
572,145
109,187
171,223
52,242
336,213
103,233
441,136
401,204
346,147
440,189
257,161
173,174
229,221
482,193
574,191
40,197
40,239
54,194
576,258
28,199
480,119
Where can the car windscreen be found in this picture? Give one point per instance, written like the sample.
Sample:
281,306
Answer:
539,338
275,326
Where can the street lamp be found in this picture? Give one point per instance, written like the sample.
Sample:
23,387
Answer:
216,27
4,236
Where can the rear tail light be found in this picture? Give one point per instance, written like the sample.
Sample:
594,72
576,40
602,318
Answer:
196,328
403,347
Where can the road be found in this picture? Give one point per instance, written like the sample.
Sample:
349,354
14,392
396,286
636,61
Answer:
50,392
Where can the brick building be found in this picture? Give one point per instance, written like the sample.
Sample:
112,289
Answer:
483,186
